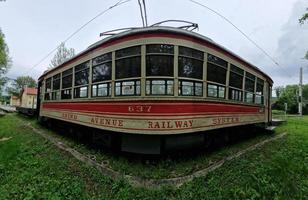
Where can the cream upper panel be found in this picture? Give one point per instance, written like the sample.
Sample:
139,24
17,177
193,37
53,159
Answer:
153,40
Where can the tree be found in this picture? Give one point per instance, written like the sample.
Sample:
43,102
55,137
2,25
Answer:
289,96
302,21
278,90
20,83
5,60
304,17
62,55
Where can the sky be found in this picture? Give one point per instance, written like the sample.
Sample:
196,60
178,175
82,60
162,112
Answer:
33,28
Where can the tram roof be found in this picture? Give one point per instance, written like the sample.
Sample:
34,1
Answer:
158,29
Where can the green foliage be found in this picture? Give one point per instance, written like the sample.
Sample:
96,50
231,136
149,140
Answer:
5,60
20,83
303,18
289,95
278,90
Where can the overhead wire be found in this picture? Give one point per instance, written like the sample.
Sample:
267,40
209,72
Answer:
244,34
76,31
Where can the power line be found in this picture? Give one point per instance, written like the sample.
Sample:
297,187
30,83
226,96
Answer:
75,32
244,34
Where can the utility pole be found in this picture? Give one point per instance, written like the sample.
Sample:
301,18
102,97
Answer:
300,93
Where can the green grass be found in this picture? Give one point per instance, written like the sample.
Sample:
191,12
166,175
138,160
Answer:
32,168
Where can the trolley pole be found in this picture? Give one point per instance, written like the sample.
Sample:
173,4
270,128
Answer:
300,93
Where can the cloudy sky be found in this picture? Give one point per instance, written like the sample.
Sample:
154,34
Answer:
34,27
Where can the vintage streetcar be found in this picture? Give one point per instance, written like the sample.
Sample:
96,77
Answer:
155,88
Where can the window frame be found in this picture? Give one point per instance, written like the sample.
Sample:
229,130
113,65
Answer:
166,85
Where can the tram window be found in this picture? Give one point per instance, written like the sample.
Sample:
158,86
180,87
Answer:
66,94
56,87
82,66
216,91
190,68
250,76
55,95
236,80
67,78
236,69
101,90
160,48
235,94
159,87
130,51
159,65
216,73
192,53
218,61
101,72
81,92
259,99
48,85
190,88
127,88
82,74
47,96
56,82
260,85
236,77
249,85
128,67
107,57
249,97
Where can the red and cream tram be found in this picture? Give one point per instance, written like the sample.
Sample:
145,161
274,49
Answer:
149,83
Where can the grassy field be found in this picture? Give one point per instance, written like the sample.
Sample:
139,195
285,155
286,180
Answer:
32,168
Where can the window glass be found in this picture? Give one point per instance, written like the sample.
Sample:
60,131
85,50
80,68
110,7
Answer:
249,97
212,90
259,99
82,66
235,94
236,80
48,85
128,67
67,78
215,91
249,85
81,92
55,95
189,52
67,72
56,82
159,87
159,65
101,90
218,61
250,76
260,86
236,69
216,74
130,51
66,94
47,96
101,72
67,81
190,88
82,77
102,59
160,48
127,88
190,68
